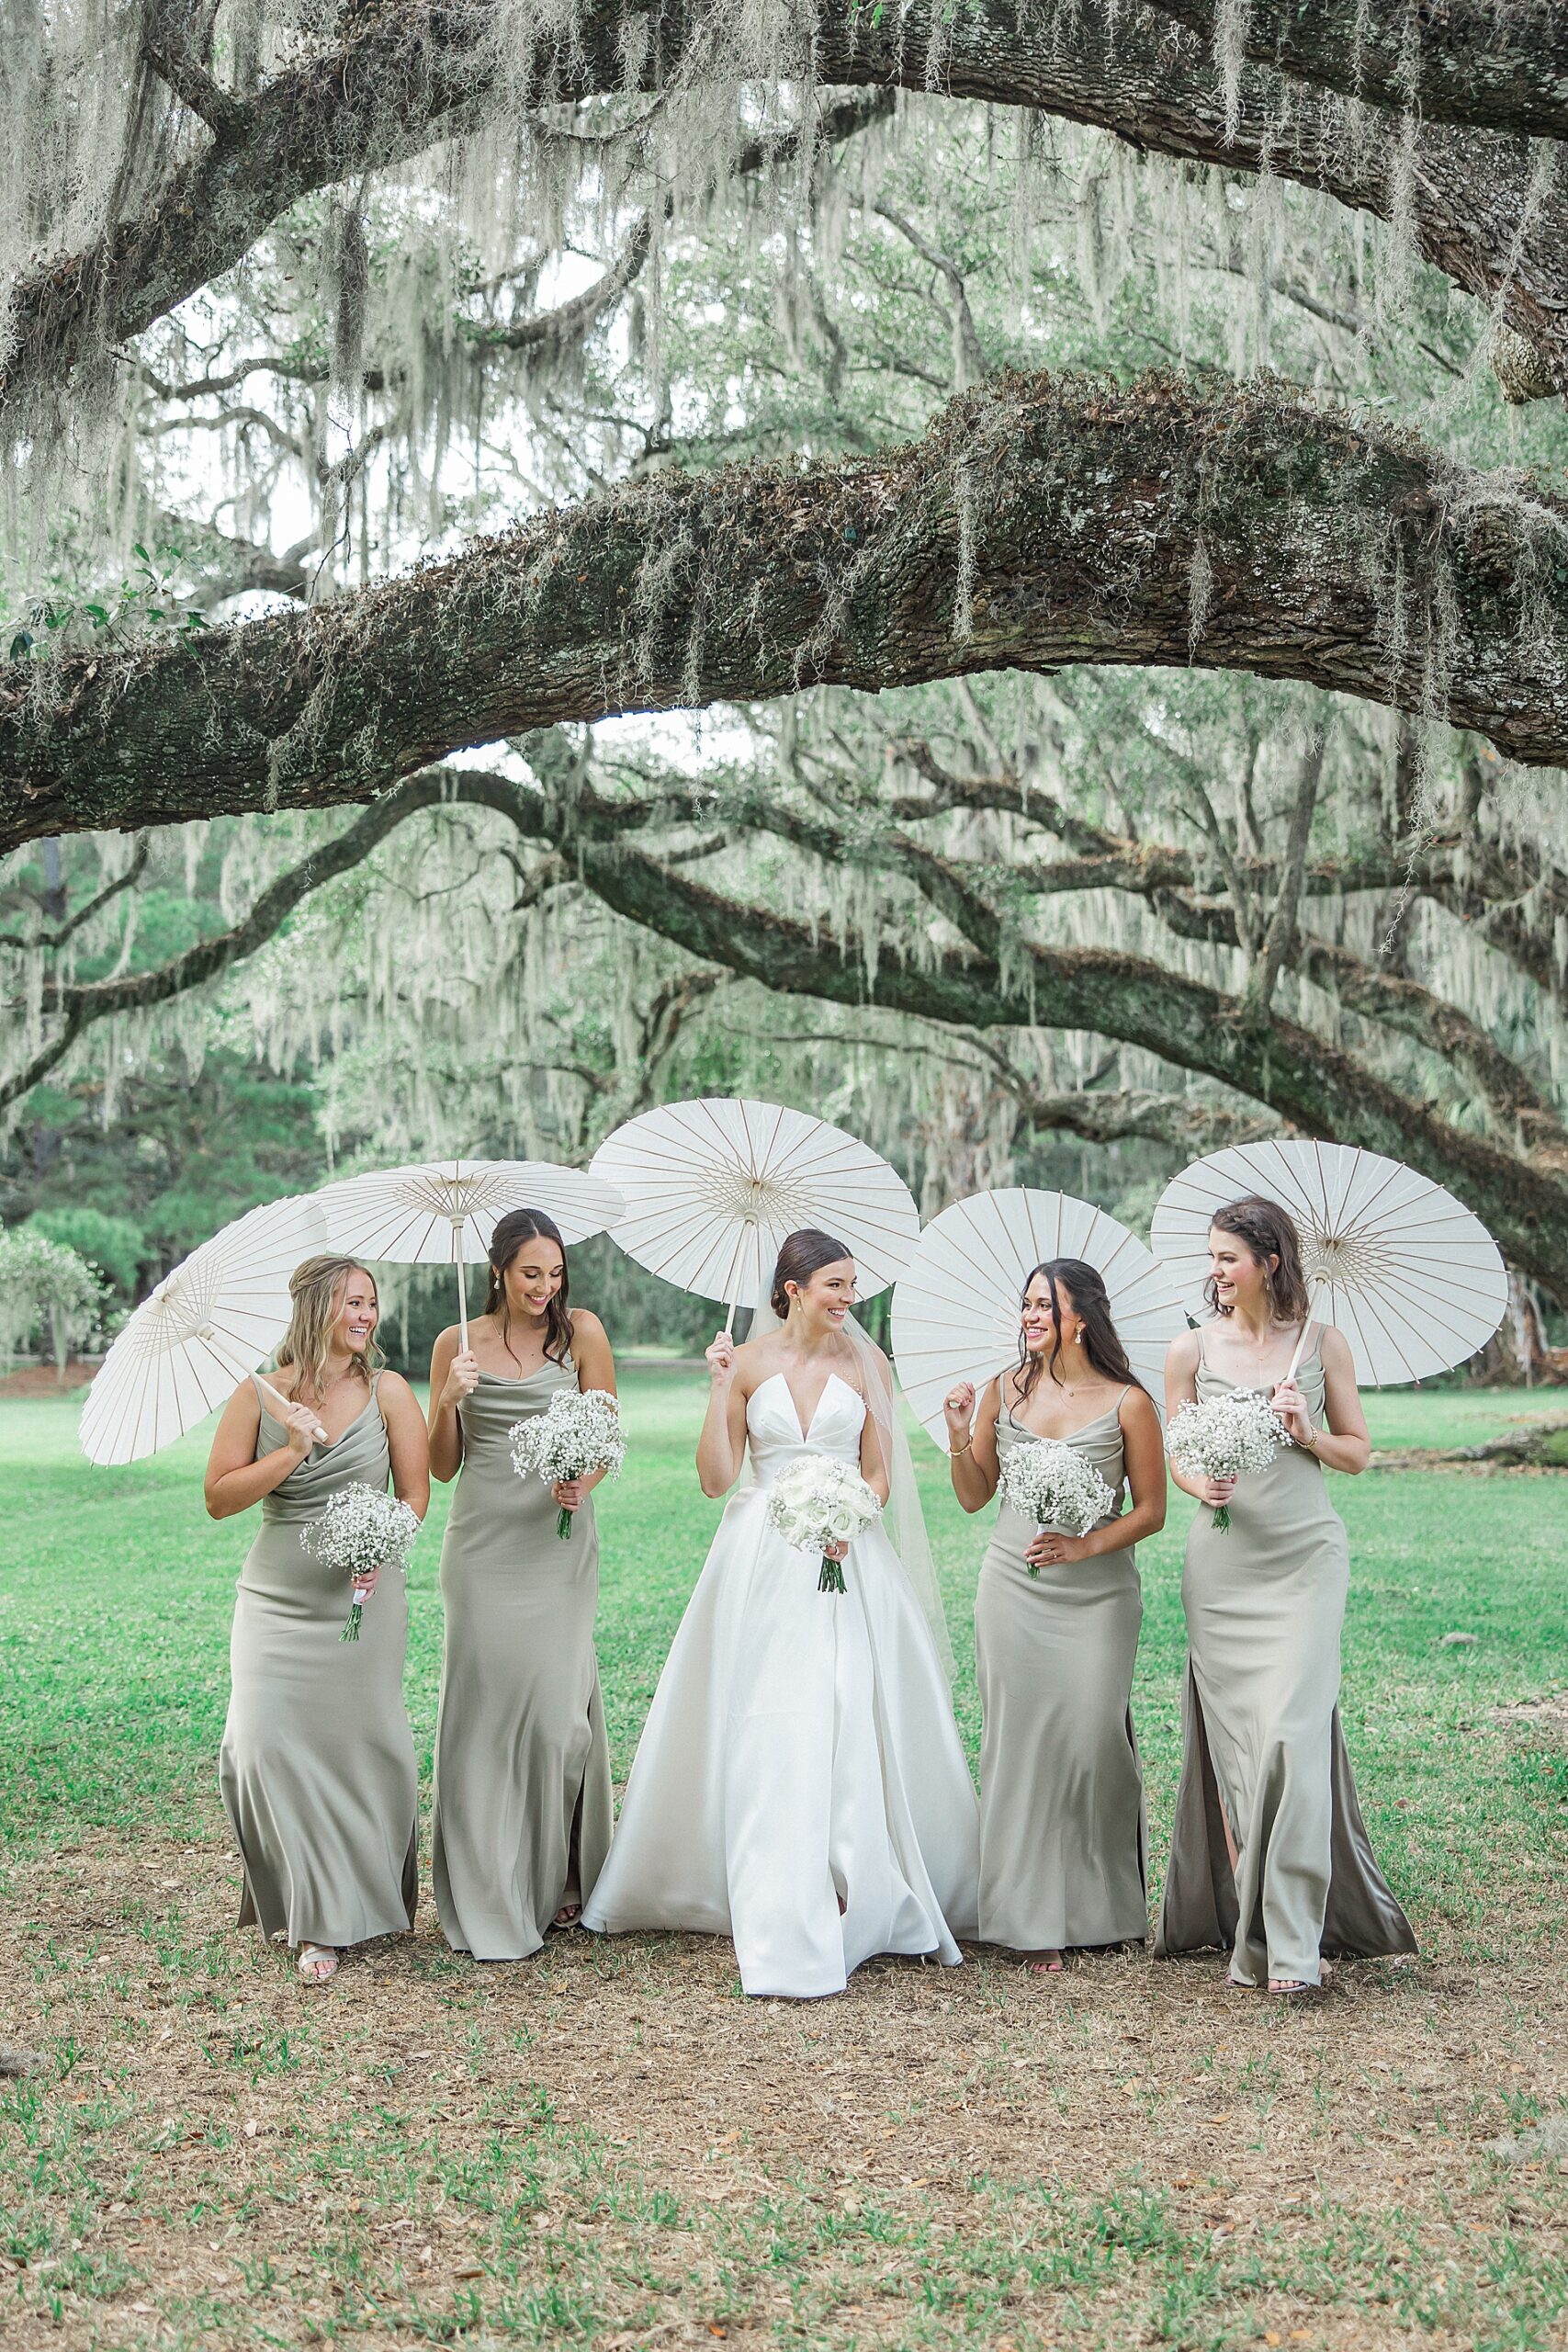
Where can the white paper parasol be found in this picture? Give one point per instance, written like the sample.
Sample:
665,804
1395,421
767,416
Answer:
956,1309
713,1188
443,1211
206,1325
1413,1280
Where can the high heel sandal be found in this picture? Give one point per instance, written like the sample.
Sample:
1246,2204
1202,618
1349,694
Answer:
317,1963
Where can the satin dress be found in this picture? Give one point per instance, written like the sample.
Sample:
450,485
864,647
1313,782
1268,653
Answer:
317,1768
522,1804
800,1748
1265,1603
1062,1842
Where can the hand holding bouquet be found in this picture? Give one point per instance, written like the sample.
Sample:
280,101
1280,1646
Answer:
1234,1436
579,1432
361,1531
1054,1484
819,1501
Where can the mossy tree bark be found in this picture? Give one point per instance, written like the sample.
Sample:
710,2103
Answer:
1497,68
1040,523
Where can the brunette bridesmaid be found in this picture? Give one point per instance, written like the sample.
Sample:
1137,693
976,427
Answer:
317,1768
1270,1855
1057,1622
523,1804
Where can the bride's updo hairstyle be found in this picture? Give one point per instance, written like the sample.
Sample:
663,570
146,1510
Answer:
1265,1230
512,1231
803,1254
1102,1341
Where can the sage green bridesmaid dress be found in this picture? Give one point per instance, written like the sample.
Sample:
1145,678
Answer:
523,1793
1062,1837
317,1768
1265,1603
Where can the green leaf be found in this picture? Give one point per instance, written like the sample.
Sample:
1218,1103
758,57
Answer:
137,548
97,614
21,644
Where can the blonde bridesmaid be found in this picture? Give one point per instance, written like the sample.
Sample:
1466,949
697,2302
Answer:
523,1801
1270,1855
317,1768
1056,1623
1056,1631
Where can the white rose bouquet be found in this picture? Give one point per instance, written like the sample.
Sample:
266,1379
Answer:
579,1432
1234,1436
1054,1484
360,1531
820,1500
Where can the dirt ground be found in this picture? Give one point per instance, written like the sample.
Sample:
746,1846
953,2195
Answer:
43,1380
609,2143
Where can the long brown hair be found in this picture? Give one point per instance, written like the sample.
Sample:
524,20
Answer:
512,1231
1102,1342
802,1255
1268,1232
312,1289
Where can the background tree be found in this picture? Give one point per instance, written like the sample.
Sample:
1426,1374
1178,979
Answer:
1161,423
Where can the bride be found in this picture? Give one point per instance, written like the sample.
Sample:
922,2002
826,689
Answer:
799,1784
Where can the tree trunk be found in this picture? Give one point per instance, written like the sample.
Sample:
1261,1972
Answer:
1518,1355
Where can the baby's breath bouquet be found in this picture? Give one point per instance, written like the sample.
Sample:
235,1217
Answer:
1233,1436
579,1431
819,1501
360,1531
1054,1484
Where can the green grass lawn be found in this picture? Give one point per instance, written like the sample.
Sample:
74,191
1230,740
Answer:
116,1591
208,2156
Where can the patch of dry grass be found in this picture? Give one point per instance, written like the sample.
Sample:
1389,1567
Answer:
611,2144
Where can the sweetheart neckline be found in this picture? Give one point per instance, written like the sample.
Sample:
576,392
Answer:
794,1408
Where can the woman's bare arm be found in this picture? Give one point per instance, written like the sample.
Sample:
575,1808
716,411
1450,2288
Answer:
235,1479
1181,1362
453,1376
1345,1444
721,1445
407,1440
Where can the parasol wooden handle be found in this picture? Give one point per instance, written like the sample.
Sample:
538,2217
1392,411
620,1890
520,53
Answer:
1318,1281
284,1402
730,1324
459,1232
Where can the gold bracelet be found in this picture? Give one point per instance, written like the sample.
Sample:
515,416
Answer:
1309,1445
956,1450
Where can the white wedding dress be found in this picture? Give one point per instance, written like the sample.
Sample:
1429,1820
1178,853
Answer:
800,1747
